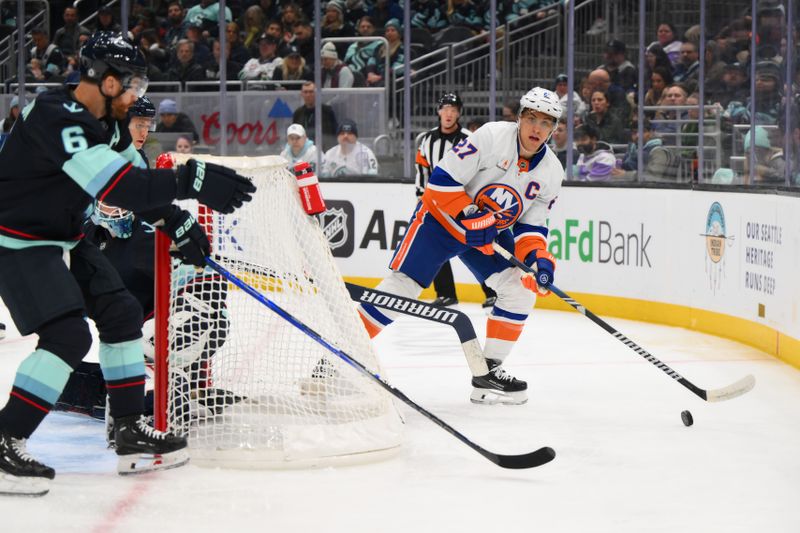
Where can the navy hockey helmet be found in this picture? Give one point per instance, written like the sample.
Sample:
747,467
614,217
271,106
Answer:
109,52
143,107
450,99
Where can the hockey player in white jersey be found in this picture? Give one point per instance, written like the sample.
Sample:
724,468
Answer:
497,185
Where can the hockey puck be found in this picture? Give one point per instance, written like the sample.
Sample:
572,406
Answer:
686,416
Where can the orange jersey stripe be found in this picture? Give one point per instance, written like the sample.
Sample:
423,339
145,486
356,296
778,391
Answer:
420,160
505,331
372,329
451,203
526,245
411,232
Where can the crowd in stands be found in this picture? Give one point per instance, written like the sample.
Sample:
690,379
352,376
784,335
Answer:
267,40
605,102
270,46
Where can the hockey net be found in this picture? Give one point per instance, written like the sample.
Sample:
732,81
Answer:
245,386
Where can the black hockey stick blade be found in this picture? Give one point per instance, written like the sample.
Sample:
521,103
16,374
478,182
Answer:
528,460
714,395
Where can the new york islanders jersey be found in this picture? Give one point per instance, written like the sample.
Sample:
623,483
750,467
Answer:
487,170
56,159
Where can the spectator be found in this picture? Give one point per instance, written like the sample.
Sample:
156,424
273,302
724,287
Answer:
666,37
464,13
253,24
13,112
510,111
735,86
428,15
275,29
270,8
334,25
238,51
154,53
50,60
621,71
304,40
735,41
206,16
350,157
654,57
335,74
559,142
105,20
617,100
660,163
688,68
183,145
793,132
715,68
660,79
232,67
293,68
767,97
291,15
609,127
176,25
262,67
202,53
770,162
146,21
385,10
596,161
186,69
66,38
376,66
668,119
578,104
171,121
358,53
304,115
299,147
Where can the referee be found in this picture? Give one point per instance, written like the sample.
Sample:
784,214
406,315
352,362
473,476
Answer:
432,147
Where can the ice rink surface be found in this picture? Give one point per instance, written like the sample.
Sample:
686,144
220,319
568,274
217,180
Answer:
625,462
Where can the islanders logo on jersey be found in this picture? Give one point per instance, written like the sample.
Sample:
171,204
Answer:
503,200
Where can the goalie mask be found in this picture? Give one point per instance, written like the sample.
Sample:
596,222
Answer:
118,221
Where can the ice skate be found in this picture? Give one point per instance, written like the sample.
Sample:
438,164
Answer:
20,473
498,386
445,301
143,449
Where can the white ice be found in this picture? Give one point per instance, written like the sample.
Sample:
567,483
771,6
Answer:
625,462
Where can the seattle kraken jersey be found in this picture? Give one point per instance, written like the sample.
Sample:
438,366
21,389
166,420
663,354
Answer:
133,258
487,170
54,161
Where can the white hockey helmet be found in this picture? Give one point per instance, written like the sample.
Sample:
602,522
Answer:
542,100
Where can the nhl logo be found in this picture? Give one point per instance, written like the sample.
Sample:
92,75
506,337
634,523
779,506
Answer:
334,226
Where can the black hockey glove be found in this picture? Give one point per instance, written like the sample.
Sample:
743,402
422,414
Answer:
218,187
189,237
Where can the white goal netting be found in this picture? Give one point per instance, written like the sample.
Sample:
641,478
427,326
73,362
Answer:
246,386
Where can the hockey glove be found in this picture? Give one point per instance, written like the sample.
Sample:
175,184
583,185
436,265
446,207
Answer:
189,237
218,187
479,228
544,264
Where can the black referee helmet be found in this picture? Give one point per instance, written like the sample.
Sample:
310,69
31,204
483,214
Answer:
450,99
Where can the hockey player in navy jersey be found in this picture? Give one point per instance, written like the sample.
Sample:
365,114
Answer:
497,185
72,147
129,244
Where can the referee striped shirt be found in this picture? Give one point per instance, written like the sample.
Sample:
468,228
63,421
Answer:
431,150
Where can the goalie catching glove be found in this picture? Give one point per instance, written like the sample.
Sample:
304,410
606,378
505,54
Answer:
479,228
218,187
544,264
188,236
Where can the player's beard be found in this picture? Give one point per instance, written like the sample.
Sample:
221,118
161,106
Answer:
119,110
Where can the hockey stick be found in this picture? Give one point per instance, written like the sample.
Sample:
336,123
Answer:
451,317
529,460
715,395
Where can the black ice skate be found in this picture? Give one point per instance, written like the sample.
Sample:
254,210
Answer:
20,473
498,386
143,449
